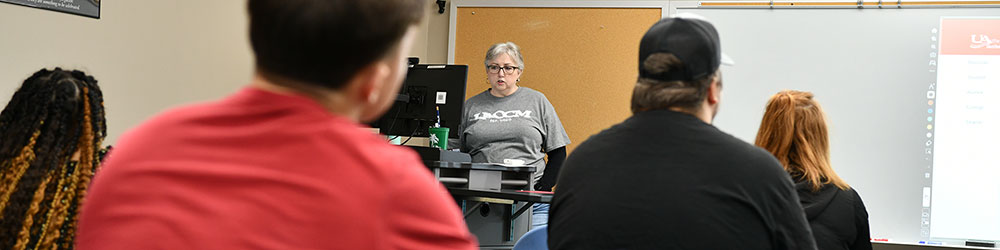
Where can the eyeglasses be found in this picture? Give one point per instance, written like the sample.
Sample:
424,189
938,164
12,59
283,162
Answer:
494,69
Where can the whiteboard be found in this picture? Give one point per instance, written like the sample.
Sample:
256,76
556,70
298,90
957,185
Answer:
871,70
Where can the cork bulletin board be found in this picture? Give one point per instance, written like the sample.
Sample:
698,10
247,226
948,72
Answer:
584,59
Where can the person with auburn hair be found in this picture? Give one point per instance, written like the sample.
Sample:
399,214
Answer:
287,162
50,145
794,130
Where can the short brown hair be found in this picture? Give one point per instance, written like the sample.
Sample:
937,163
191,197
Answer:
326,42
794,130
651,94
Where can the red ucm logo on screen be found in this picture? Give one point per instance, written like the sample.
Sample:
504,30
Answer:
970,37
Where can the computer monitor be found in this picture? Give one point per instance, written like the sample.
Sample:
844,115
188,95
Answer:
426,88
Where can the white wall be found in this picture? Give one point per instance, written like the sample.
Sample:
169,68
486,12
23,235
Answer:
146,55
152,55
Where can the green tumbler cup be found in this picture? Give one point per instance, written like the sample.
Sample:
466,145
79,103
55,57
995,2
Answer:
439,138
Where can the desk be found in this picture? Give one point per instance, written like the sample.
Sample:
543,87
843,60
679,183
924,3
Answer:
512,195
500,197
479,166
509,199
489,189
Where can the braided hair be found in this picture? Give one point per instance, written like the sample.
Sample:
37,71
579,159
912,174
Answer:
54,115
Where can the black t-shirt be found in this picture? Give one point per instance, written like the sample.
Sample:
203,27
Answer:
667,180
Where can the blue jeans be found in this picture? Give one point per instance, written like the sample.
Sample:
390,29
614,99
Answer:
539,215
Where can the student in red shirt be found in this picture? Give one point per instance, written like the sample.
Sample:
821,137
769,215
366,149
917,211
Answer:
286,162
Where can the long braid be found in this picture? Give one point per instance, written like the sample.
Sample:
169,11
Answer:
23,115
17,166
96,132
66,192
53,151
47,150
23,236
91,156
20,124
56,214
45,208
96,98
94,113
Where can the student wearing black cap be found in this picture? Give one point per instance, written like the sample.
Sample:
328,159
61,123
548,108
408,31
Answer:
665,178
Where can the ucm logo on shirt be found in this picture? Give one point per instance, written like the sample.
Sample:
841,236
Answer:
500,114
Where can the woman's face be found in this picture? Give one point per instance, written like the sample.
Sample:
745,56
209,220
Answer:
502,82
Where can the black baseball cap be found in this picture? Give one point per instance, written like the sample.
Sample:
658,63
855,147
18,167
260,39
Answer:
689,37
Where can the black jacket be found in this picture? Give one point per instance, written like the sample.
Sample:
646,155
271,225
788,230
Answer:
838,217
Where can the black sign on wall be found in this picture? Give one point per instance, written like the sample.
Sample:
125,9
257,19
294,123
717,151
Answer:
88,8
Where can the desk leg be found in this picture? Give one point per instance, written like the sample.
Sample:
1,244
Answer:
508,222
523,209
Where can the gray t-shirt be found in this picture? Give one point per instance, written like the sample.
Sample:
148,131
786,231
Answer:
521,126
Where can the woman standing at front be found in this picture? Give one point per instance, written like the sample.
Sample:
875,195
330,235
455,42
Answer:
512,124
